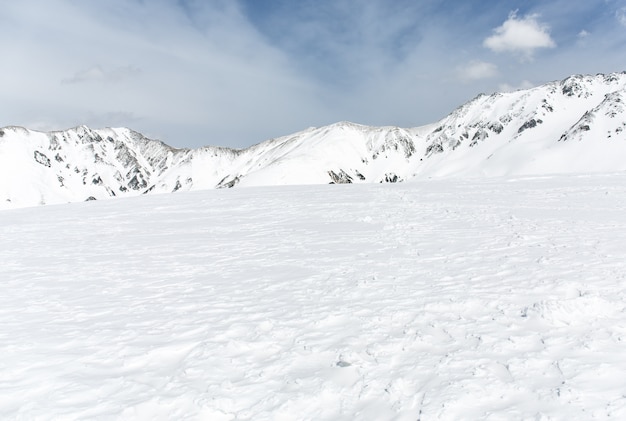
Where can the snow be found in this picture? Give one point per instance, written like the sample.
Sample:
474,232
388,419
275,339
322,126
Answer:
577,125
499,298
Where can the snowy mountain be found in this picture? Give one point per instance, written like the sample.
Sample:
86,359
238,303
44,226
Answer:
574,125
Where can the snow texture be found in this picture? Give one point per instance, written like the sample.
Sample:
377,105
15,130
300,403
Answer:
577,125
499,298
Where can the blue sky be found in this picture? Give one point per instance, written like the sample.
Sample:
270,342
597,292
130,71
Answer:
237,72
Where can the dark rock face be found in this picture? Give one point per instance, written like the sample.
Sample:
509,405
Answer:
479,136
392,178
434,148
496,127
340,178
228,184
568,90
529,124
547,106
42,159
573,86
137,182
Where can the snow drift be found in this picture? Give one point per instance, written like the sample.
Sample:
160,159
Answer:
498,299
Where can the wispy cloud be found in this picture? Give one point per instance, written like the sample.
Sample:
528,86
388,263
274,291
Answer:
583,34
620,14
98,74
520,35
476,70
339,43
525,84
112,118
235,72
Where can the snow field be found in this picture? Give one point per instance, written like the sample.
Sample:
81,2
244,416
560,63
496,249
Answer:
477,299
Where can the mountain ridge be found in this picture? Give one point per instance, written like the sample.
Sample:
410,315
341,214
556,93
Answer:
577,124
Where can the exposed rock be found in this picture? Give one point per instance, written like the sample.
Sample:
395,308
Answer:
137,182
434,148
479,136
391,178
42,159
546,106
529,124
496,127
127,163
340,178
228,184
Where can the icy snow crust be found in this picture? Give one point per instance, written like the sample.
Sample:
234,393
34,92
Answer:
577,125
483,299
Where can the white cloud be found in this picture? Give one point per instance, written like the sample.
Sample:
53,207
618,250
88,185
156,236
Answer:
505,87
144,65
190,72
98,74
476,70
621,16
520,35
213,72
583,34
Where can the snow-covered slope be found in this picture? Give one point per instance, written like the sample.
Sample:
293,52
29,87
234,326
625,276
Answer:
482,299
79,164
575,125
82,164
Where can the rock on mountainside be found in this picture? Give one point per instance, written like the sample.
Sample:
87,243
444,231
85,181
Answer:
575,125
84,164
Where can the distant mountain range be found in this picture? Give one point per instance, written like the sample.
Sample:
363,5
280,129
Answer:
576,125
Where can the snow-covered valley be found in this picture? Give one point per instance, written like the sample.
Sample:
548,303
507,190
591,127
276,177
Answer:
501,298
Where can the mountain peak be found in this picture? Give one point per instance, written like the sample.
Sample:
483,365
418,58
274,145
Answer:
577,124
